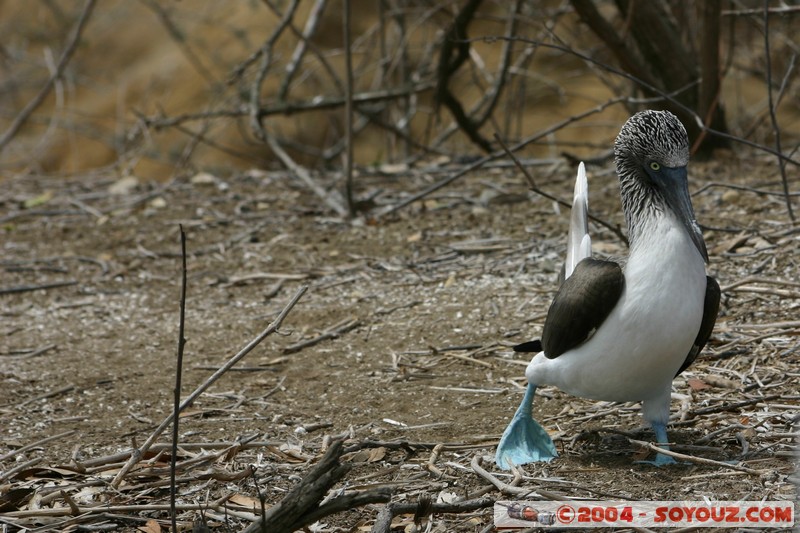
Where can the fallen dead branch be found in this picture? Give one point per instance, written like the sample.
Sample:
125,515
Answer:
329,197
424,508
332,332
49,394
67,511
698,460
36,444
301,506
34,353
40,287
732,406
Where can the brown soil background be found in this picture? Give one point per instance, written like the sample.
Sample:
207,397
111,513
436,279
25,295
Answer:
440,291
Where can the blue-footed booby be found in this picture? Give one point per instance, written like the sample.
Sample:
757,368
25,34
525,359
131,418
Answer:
622,334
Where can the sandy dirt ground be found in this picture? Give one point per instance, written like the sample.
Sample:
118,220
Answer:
401,345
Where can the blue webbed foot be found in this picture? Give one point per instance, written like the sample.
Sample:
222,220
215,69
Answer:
524,440
661,437
660,460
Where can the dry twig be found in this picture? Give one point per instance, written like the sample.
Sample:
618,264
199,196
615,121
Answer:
773,118
177,392
301,505
330,333
697,460
69,49
36,444
40,287
424,507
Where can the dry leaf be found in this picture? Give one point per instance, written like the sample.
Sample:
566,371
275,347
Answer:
46,473
151,526
717,381
730,245
36,201
697,384
730,196
245,501
366,455
376,454
416,237
361,456
399,521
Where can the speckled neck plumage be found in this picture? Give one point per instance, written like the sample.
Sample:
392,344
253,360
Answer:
648,136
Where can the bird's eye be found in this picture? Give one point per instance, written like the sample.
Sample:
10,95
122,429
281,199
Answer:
655,166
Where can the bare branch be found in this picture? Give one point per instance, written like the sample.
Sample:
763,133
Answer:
289,108
305,40
348,111
495,155
667,96
72,44
425,508
177,36
300,50
266,61
710,84
305,177
775,128
456,36
779,10
500,79
601,27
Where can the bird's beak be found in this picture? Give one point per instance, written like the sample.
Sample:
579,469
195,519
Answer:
675,188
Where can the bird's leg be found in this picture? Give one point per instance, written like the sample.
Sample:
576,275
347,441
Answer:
524,440
660,430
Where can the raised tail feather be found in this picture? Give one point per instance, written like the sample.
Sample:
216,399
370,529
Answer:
579,245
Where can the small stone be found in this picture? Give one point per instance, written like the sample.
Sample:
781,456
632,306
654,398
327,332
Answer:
123,186
157,203
730,196
203,178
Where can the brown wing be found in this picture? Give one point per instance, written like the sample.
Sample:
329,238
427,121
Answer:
710,311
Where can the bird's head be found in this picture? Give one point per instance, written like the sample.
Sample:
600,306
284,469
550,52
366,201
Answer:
651,154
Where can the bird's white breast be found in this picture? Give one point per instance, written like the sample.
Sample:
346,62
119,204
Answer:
636,352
